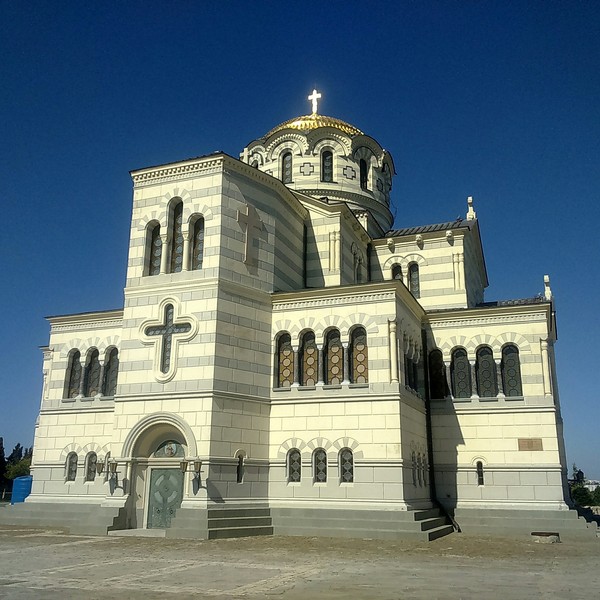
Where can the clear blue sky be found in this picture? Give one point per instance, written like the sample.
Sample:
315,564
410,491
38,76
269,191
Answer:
498,100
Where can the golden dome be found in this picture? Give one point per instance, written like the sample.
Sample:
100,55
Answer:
314,121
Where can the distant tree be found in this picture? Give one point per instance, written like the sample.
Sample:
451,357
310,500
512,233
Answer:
18,469
596,496
581,495
2,463
16,455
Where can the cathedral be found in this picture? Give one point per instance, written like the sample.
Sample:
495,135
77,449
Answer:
288,363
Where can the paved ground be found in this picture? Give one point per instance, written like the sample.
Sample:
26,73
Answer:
51,565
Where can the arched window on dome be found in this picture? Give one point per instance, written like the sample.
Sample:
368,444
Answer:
359,360
437,375
154,250
485,371
460,372
334,358
327,166
91,376
198,244
364,174
511,371
177,238
285,361
397,272
309,355
413,280
111,373
480,477
73,375
286,167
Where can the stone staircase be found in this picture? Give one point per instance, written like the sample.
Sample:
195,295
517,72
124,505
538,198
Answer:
426,525
239,522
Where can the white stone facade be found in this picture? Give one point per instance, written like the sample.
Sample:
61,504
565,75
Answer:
234,265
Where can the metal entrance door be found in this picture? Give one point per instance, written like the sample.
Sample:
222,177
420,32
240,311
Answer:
166,492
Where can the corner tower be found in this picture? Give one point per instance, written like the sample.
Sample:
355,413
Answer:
325,157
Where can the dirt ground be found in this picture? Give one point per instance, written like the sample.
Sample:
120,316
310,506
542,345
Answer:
49,564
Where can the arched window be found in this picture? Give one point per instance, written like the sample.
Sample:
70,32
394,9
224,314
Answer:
359,359
397,272
437,375
91,377
413,280
71,467
240,468
111,372
90,466
327,166
479,466
154,250
198,244
309,355
177,239
460,373
346,465
511,371
294,466
334,358
74,375
485,371
319,466
364,174
286,167
285,361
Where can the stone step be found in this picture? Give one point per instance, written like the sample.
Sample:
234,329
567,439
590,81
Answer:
235,532
420,515
438,532
433,523
247,521
154,533
223,513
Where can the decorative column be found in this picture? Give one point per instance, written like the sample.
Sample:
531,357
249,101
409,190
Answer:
101,377
320,365
186,251
546,369
393,352
461,271
498,362
448,372
346,351
296,382
455,270
474,393
400,356
166,251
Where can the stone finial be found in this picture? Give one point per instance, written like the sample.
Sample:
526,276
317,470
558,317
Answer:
547,290
471,214
419,240
391,244
449,235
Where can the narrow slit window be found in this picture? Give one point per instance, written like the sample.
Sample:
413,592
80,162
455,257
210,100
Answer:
155,251
480,479
327,166
177,239
294,466
286,168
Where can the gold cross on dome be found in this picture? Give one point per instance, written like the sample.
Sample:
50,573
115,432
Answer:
314,97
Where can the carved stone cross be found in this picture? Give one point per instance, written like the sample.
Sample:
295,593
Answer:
166,333
251,221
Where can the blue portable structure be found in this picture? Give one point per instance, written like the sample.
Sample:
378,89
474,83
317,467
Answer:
21,488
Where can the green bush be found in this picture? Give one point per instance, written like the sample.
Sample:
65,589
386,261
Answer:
581,495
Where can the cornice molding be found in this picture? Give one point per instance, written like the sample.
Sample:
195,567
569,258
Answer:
338,300
490,320
200,166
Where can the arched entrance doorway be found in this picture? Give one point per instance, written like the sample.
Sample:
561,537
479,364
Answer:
156,448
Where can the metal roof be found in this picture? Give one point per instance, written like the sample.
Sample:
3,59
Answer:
430,228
